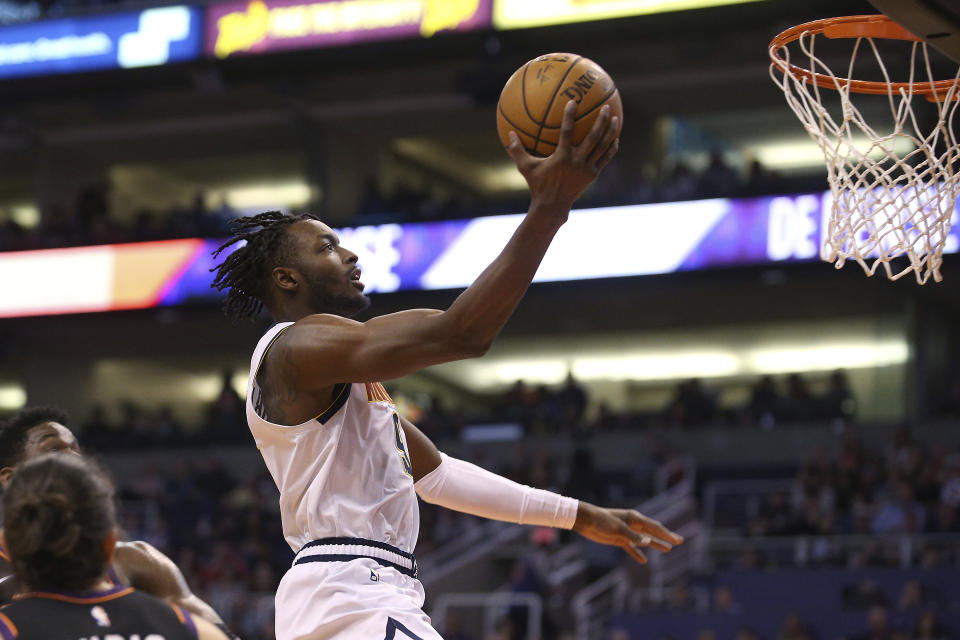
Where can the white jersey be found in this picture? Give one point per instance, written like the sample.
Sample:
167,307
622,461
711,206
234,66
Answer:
343,474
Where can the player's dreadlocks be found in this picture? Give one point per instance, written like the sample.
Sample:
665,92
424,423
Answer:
245,270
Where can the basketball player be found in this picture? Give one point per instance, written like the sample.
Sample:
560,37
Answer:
61,532
35,431
348,466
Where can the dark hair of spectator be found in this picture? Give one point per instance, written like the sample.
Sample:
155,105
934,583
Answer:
244,272
13,432
58,509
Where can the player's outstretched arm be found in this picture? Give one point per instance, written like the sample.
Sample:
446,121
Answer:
461,486
144,567
322,350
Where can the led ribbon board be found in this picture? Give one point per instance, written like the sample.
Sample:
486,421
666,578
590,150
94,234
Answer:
261,26
516,14
138,39
635,240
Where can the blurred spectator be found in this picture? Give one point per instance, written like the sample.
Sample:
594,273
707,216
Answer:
765,402
877,625
760,181
681,599
572,401
775,516
692,405
799,404
718,180
900,512
226,414
453,629
681,185
793,628
911,596
724,602
864,595
838,401
929,628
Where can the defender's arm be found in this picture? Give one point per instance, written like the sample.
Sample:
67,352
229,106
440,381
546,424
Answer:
144,567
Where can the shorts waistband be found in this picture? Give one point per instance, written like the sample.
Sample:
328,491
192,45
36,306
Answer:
346,549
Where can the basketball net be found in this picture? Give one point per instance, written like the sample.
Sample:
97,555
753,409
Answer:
894,192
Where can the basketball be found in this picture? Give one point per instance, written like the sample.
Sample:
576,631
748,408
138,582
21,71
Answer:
534,97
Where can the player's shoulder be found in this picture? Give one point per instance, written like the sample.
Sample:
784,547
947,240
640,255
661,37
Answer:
136,557
320,321
135,549
318,330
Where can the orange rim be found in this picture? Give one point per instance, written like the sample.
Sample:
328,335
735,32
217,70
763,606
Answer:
872,26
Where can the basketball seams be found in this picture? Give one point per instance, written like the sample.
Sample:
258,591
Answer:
556,90
523,96
602,102
512,124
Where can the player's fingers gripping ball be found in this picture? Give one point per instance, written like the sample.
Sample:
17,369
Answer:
534,97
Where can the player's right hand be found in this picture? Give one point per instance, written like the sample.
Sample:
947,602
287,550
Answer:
624,528
559,179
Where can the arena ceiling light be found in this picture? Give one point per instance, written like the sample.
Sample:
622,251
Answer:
12,397
658,366
293,193
828,357
710,361
803,153
24,214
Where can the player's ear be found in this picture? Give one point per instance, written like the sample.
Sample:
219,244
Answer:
110,545
285,278
5,474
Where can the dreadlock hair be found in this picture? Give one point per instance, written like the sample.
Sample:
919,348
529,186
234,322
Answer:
244,272
13,431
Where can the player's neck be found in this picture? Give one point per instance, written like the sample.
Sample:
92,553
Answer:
102,584
291,312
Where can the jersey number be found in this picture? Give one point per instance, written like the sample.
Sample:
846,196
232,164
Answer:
404,458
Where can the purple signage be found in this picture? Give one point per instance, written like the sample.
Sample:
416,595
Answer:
261,26
634,240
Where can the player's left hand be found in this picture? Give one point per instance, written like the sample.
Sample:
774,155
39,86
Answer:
624,528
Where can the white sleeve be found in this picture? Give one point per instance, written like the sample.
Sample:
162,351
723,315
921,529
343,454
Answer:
465,487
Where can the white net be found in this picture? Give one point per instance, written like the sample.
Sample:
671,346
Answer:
894,191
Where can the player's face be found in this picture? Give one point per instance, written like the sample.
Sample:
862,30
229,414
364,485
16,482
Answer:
49,437
330,272
46,437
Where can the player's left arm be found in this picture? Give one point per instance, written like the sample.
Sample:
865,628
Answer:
145,568
461,486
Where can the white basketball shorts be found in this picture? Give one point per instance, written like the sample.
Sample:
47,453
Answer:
351,592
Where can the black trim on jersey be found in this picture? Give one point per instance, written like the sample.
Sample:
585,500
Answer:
347,557
341,393
394,625
360,541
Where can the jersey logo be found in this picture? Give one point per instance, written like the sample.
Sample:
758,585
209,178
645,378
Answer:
401,449
374,576
376,393
100,616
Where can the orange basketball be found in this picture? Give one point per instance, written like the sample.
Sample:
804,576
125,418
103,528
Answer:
533,99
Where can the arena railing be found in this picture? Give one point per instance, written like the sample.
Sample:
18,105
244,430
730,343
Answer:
493,607
903,550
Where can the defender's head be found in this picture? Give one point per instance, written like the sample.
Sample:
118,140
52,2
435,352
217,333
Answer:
33,432
293,265
60,524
